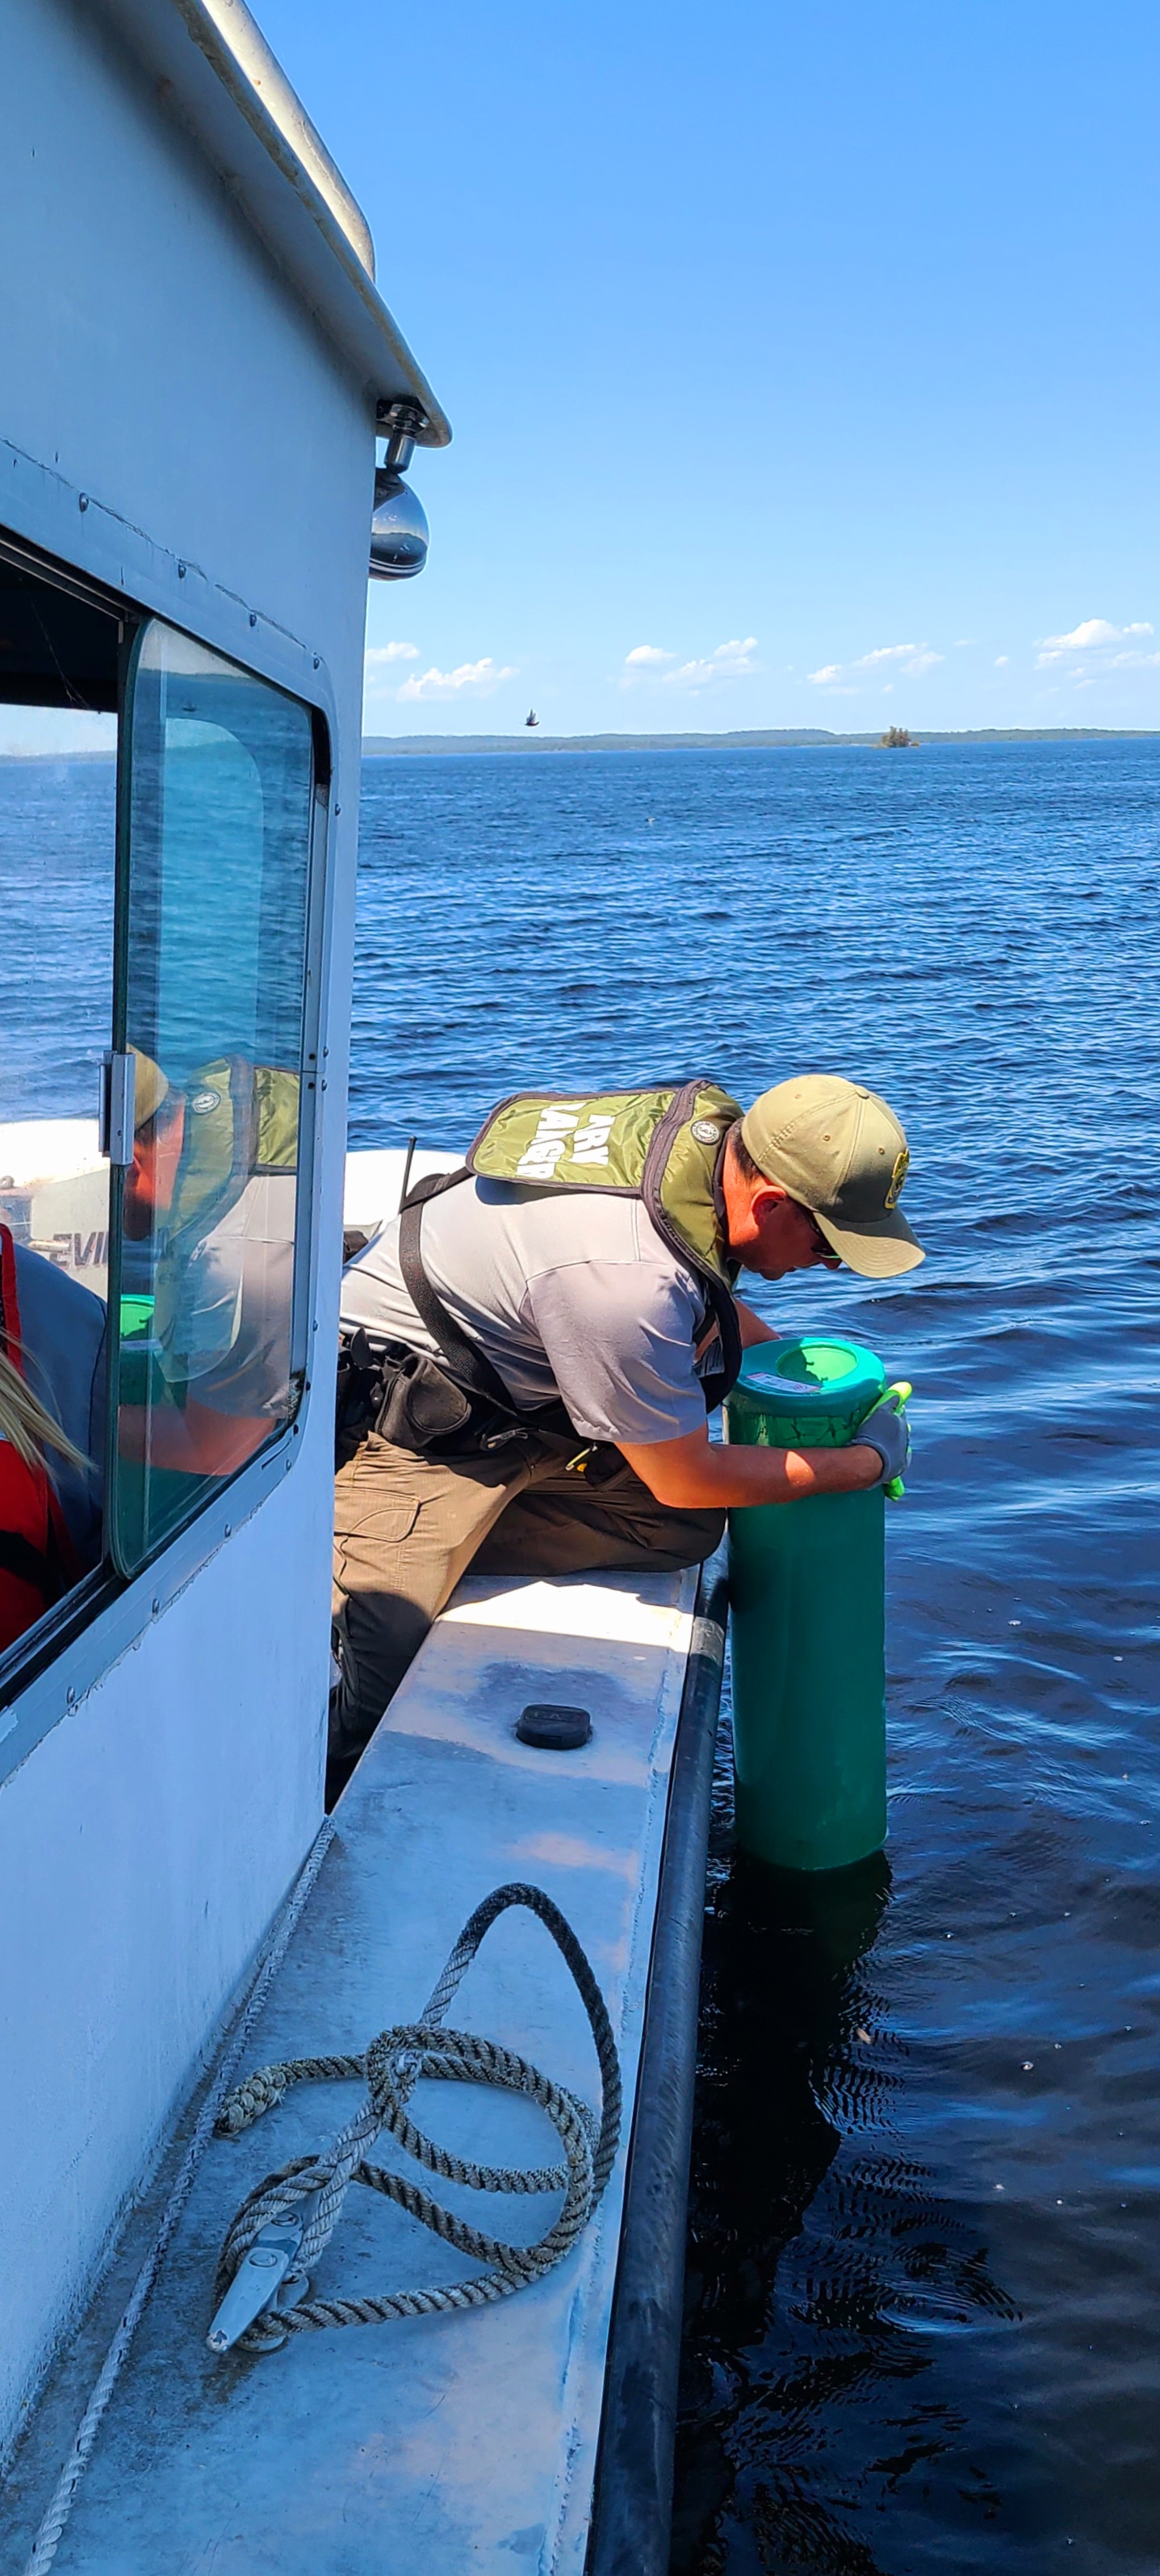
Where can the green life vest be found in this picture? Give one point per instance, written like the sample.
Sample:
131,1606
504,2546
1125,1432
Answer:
661,1146
240,1119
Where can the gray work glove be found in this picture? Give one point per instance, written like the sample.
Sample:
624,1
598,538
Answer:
887,1430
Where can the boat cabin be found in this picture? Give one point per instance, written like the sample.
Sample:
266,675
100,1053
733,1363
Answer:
200,379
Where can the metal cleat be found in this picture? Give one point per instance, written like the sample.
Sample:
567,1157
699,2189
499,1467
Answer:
255,2284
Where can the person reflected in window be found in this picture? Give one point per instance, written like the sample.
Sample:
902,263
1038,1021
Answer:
52,1396
213,1186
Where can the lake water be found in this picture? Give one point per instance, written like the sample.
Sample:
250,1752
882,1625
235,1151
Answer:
923,2321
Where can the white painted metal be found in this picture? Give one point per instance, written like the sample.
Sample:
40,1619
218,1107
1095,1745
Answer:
216,81
68,1223
456,2441
374,1181
187,415
47,1149
54,1190
175,418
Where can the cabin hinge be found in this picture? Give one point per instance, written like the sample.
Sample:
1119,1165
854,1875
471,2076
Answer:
115,1113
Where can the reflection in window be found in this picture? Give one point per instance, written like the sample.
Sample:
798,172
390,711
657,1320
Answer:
213,941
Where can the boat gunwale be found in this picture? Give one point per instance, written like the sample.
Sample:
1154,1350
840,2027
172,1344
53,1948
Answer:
632,2491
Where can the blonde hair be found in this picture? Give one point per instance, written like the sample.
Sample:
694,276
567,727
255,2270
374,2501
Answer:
27,1423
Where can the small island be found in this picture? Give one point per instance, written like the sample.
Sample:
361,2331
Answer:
898,739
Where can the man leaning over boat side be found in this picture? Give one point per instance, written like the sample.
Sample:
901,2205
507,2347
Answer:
532,1347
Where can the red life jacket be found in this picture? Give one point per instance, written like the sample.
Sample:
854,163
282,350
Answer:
37,1558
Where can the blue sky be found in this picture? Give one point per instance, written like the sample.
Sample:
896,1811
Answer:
802,362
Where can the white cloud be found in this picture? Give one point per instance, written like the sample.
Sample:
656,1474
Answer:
377,654
1096,635
1001,661
731,661
480,678
913,659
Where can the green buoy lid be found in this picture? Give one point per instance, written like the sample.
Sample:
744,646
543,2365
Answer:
808,1391
136,1316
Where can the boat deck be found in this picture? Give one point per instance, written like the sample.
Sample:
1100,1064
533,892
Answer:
460,2440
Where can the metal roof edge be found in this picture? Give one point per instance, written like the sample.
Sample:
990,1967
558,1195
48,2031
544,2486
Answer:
209,56
245,41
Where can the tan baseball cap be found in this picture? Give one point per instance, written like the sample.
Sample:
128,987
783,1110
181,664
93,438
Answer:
839,1149
150,1088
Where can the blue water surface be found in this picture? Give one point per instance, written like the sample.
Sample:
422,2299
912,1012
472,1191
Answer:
923,2323
57,825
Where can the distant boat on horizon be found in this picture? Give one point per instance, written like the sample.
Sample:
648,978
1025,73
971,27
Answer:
531,717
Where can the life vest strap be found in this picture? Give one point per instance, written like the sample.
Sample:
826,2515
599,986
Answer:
470,1365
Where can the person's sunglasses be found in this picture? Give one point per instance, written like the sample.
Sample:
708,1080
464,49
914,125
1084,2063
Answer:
822,1244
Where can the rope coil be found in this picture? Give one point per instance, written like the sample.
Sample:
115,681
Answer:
394,2063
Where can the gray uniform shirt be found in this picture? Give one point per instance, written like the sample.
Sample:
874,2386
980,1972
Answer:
567,1296
223,1321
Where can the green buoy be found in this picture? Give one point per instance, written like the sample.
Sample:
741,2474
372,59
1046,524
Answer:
808,1619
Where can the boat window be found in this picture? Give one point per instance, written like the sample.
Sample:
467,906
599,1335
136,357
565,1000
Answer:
217,805
61,649
58,741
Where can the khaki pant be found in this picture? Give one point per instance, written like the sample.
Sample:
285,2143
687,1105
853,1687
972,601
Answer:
406,1528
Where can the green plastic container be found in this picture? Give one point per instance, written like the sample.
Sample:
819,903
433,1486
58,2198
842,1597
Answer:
808,1623
136,1316
139,1378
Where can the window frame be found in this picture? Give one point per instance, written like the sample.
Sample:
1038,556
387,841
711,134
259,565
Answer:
95,1623
302,1272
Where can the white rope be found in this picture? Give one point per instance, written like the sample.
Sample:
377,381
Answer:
395,2061
49,2536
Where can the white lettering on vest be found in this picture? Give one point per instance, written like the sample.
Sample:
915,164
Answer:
539,1159
557,1124
590,1144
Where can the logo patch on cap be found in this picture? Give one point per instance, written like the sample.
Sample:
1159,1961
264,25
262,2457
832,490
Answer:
705,1131
204,1101
898,1175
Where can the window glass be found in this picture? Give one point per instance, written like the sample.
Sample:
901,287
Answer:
216,820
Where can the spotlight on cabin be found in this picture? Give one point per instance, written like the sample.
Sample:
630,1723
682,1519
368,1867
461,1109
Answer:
399,536
399,532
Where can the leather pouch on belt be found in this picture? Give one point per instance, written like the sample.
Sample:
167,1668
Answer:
424,1410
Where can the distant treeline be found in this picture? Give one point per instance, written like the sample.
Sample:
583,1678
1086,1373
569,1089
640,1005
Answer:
378,746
